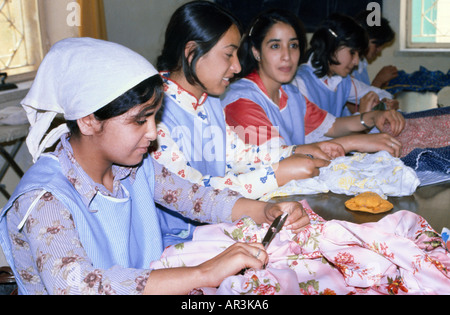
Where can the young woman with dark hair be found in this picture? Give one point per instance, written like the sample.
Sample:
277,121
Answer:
83,218
194,140
379,36
335,50
263,100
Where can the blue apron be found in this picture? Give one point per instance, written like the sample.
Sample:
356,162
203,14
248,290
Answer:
203,142
124,232
331,101
290,121
362,76
201,139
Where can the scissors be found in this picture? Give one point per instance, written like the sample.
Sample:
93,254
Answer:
276,227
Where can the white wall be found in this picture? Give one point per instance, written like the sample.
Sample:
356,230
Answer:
140,24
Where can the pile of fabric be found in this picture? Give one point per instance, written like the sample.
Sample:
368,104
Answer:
423,80
401,254
352,175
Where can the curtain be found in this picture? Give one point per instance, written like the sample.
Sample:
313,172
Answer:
93,22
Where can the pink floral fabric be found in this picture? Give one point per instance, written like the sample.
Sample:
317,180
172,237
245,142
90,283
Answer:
424,132
401,254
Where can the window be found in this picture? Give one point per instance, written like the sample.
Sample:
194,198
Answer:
20,40
428,24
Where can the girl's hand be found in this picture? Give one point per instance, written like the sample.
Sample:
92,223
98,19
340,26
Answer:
368,102
395,119
297,219
297,167
231,261
325,150
384,76
374,143
391,104
332,149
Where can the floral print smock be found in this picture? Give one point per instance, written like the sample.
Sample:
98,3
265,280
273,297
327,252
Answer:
248,167
48,252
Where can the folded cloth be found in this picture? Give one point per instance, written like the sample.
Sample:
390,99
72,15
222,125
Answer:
13,115
419,81
430,159
352,175
401,254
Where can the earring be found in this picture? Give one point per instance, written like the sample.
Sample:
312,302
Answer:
258,58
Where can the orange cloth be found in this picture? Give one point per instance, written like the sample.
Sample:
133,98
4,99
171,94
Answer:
369,202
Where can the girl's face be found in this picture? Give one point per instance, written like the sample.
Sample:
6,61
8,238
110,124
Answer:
348,59
279,55
374,51
124,140
216,68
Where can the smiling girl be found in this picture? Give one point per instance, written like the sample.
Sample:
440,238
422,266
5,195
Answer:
336,49
198,61
264,100
380,36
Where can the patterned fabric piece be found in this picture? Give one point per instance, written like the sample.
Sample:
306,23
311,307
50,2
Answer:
352,175
425,130
401,254
426,142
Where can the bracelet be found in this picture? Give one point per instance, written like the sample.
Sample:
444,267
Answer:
361,118
293,149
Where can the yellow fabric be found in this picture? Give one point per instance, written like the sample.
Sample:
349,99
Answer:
93,22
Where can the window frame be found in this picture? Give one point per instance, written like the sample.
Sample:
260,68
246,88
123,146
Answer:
33,41
419,46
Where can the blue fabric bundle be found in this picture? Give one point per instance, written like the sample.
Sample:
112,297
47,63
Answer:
431,160
419,81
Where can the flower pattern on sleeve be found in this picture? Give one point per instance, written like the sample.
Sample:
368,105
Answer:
248,167
49,255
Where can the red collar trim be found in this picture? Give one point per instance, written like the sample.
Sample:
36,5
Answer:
255,78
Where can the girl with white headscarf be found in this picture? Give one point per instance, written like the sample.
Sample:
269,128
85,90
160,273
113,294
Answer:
83,218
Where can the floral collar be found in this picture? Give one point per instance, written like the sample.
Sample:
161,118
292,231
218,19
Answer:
81,181
184,98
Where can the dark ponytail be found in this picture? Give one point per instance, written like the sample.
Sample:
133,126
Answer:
337,31
201,22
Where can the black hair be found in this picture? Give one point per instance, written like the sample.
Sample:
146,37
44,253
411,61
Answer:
138,95
381,34
258,30
335,32
202,22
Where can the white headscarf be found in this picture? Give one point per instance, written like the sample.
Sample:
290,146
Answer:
76,78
